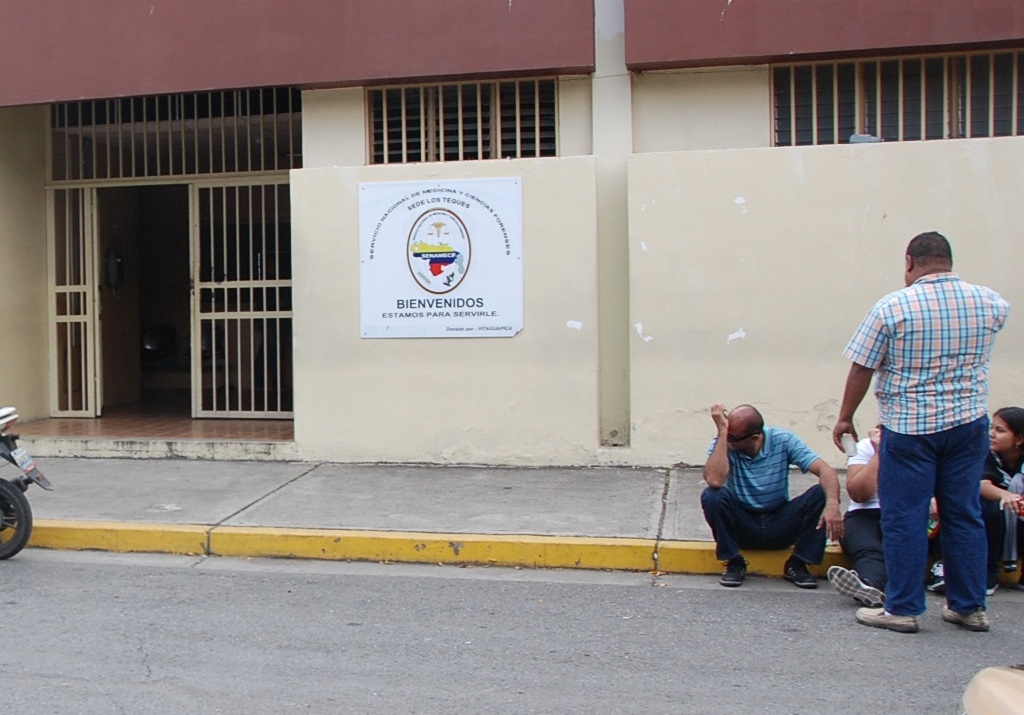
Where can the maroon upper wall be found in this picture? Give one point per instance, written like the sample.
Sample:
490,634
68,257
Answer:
56,50
691,33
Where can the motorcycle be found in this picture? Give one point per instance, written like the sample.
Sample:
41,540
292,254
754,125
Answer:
15,512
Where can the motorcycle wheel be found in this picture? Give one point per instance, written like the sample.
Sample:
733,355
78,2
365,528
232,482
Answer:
15,520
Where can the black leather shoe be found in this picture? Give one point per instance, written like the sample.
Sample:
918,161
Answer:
796,573
735,572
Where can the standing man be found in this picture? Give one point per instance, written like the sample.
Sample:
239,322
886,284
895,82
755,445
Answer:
747,501
931,344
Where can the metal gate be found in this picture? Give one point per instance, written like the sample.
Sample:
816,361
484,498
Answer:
241,300
73,301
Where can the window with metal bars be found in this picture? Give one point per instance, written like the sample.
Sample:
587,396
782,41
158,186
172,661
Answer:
232,131
464,121
902,99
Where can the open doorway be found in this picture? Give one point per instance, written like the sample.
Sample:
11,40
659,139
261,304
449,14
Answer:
145,298
194,286
173,288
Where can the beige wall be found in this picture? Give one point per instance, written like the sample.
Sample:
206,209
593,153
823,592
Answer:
23,366
750,269
333,128
529,399
701,109
575,116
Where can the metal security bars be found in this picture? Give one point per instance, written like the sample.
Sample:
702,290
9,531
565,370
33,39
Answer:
243,312
903,99
465,121
72,312
205,133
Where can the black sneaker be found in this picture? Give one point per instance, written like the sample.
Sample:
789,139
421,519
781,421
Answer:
735,572
796,573
935,581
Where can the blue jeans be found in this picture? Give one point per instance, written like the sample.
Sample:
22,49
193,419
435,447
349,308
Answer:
912,469
795,524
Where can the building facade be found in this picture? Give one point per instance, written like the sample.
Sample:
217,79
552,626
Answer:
674,203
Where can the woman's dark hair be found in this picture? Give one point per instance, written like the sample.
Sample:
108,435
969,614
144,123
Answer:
1013,417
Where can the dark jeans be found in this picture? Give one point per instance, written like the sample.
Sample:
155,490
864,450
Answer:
735,526
995,534
995,530
913,468
862,542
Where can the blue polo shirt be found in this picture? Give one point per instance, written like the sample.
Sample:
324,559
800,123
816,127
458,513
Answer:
762,482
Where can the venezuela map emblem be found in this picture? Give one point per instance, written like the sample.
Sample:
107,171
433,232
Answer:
438,251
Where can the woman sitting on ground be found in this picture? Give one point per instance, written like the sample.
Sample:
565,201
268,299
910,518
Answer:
1001,487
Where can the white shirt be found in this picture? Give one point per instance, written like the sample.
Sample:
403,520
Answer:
865,451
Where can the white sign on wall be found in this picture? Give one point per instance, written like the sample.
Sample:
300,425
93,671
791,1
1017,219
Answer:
441,259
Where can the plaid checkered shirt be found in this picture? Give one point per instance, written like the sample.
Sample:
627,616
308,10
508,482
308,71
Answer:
930,345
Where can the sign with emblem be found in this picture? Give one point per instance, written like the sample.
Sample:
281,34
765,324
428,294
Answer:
441,259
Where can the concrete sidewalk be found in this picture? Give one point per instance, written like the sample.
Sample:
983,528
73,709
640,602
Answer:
598,518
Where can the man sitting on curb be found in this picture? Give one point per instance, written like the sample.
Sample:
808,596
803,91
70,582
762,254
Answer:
747,501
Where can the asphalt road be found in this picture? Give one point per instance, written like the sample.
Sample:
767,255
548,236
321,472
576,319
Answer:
113,633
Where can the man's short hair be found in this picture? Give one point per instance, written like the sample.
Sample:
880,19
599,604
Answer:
930,246
756,420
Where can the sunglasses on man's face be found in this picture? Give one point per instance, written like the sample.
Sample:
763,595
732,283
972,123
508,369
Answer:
733,439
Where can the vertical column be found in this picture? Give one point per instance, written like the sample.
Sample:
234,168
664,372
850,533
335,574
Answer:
613,143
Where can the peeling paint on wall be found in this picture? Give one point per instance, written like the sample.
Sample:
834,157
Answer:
640,331
826,414
741,201
738,335
574,324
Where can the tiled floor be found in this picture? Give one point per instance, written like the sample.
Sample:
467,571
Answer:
150,421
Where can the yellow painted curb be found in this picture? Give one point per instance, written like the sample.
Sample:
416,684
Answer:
698,557
416,547
616,554
119,536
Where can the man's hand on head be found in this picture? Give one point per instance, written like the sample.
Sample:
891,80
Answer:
716,469
720,415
